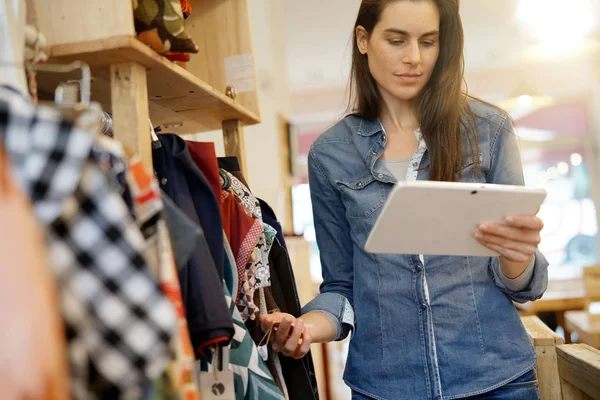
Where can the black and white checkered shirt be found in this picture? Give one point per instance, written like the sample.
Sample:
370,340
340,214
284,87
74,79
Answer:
119,323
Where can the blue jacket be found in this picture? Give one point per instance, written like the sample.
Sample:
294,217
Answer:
442,329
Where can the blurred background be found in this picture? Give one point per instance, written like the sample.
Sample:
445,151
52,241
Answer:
538,59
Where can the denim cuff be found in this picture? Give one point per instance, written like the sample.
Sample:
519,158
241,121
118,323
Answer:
537,284
338,308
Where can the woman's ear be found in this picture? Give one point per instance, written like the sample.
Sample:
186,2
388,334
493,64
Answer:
362,39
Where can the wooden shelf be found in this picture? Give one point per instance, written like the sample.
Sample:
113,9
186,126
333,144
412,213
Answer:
175,94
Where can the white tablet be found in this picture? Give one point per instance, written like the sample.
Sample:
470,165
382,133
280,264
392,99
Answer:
439,218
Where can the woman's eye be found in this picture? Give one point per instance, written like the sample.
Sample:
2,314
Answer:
428,44
396,42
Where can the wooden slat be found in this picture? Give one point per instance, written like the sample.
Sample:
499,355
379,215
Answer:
587,328
579,365
65,21
539,333
130,109
591,278
545,341
233,138
179,96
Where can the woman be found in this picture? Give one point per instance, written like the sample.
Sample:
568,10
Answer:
422,327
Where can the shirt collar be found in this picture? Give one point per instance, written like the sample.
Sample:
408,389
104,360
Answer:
369,127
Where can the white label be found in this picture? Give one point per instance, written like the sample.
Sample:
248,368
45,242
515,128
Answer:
239,73
217,386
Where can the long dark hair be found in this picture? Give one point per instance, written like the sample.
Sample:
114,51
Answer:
442,106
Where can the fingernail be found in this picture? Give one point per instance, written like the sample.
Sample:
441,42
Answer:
478,235
510,220
299,324
484,227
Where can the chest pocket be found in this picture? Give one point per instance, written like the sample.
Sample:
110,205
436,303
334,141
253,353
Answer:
362,196
469,173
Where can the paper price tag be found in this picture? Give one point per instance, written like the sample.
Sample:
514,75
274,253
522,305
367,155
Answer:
217,385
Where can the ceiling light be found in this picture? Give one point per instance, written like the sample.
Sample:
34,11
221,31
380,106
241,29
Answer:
558,25
576,159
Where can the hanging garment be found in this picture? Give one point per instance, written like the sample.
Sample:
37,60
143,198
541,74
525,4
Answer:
33,352
204,156
299,375
159,24
119,323
148,209
252,378
184,234
202,281
248,284
270,218
112,159
241,230
232,165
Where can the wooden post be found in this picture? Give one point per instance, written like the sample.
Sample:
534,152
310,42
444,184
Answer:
233,137
579,368
545,342
129,98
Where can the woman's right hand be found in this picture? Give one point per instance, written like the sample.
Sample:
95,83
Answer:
292,337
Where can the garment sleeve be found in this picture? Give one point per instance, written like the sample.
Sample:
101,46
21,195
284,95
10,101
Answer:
521,281
507,169
336,251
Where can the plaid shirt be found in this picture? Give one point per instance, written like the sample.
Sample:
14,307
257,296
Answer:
119,323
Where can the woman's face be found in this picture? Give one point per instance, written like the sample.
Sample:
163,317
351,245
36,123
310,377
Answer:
403,48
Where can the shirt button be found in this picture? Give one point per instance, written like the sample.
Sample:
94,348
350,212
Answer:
423,306
380,176
163,181
383,137
374,153
415,164
359,184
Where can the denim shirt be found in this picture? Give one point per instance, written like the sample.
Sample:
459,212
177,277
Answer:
432,327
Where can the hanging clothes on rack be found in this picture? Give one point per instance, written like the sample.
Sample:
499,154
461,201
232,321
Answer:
148,210
119,323
135,183
232,165
33,362
209,319
241,229
299,375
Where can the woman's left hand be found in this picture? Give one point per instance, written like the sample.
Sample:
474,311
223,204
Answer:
516,240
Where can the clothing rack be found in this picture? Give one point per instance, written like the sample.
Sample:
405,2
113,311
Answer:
134,83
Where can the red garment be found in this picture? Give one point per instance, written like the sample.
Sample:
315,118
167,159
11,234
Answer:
205,158
236,223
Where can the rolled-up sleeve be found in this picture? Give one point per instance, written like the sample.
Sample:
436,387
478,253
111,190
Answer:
336,251
506,168
536,287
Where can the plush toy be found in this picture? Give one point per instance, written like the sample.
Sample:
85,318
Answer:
159,24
